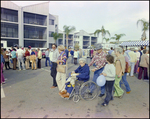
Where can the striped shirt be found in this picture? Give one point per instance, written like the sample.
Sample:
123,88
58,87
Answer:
63,57
99,60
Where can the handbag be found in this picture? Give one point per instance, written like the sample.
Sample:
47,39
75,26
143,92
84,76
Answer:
61,68
127,66
129,69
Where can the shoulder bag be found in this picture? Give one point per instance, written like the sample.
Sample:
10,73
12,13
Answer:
61,68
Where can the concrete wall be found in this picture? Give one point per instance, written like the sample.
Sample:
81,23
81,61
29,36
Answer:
9,5
41,8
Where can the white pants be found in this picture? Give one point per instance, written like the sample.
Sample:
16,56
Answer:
20,60
61,80
132,64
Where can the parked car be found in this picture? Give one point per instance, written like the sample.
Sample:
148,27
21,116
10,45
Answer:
43,54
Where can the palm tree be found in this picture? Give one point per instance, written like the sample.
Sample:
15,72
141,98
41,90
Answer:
67,30
107,39
145,27
56,36
117,37
103,31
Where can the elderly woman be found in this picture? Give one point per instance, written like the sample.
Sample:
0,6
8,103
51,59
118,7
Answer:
120,69
33,59
81,73
61,77
144,64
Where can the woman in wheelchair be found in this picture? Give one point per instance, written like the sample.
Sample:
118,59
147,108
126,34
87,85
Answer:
81,74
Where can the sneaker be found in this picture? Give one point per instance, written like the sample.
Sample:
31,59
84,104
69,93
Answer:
5,79
128,92
3,82
104,104
101,95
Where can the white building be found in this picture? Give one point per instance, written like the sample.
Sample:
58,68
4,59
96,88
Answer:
30,25
81,37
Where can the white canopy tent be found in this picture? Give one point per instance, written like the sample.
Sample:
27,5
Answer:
135,43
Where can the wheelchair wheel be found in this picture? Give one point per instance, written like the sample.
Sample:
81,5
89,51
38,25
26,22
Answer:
85,91
76,98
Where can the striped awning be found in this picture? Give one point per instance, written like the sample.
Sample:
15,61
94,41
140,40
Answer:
136,43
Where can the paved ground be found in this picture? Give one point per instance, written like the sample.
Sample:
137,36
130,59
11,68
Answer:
28,94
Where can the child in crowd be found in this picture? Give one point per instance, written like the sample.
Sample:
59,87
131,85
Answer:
109,72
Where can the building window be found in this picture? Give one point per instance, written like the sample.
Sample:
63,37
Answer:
51,22
50,34
3,32
1,44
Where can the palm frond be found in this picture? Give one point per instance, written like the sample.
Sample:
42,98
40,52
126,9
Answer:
97,32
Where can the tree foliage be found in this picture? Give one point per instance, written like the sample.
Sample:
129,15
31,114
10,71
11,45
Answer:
56,36
118,36
102,31
67,30
145,27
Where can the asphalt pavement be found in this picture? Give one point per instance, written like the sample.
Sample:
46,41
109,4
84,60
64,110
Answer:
27,94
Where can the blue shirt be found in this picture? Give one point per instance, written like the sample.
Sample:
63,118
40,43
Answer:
127,53
72,52
66,51
110,51
46,53
84,73
32,53
13,53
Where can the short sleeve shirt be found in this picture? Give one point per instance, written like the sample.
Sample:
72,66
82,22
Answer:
20,53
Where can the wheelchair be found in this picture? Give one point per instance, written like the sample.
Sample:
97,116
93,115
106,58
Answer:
82,90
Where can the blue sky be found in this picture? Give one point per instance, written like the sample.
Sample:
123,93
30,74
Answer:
117,17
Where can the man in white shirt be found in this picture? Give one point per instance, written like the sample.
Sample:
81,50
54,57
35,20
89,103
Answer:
54,65
20,55
133,60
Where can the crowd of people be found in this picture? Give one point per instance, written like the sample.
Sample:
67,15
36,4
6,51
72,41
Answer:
114,64
21,58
